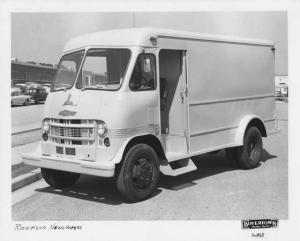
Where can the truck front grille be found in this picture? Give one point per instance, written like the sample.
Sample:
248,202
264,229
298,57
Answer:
72,132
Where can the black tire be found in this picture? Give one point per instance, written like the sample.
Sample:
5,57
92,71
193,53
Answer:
139,173
59,179
247,156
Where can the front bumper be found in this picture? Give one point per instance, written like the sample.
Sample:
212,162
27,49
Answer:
101,169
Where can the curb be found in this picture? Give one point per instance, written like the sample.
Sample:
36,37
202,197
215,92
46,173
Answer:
25,131
25,179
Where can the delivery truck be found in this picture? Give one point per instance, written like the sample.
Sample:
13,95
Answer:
137,103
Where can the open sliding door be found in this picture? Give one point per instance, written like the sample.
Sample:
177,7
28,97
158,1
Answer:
174,101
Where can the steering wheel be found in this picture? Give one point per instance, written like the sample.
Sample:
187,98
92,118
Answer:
147,82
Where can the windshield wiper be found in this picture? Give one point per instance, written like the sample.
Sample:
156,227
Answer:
61,88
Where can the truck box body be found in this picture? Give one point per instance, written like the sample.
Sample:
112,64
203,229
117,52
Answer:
226,82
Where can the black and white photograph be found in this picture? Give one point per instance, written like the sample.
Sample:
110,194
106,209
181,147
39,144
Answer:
149,116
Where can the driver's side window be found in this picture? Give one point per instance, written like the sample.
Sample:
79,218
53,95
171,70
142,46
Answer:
143,76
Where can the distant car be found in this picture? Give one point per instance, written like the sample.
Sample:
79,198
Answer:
31,85
47,87
14,88
18,98
21,87
37,94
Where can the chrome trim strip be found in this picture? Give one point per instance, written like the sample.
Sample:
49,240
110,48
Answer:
195,103
222,129
72,125
220,39
73,138
213,130
151,129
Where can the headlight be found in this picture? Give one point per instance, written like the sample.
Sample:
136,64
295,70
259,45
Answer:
46,126
102,129
45,136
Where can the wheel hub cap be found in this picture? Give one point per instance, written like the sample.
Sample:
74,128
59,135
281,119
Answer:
142,173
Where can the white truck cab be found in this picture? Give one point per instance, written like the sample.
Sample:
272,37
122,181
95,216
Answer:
132,103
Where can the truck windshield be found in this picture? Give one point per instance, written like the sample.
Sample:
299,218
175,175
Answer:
67,70
103,69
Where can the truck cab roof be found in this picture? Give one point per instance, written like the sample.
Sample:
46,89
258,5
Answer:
142,37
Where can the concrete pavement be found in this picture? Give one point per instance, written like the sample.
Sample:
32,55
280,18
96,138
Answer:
26,124
25,118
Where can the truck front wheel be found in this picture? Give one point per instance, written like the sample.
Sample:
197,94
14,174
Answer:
59,179
139,173
248,156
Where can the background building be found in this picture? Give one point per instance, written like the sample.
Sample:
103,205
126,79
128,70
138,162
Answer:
22,72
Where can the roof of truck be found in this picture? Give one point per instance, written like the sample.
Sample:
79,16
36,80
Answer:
141,37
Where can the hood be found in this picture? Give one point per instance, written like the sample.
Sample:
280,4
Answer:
78,104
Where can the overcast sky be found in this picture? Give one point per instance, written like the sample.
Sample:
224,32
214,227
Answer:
40,37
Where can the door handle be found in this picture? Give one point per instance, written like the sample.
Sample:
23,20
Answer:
182,96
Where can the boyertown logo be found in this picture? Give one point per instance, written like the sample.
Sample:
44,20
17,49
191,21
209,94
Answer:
260,223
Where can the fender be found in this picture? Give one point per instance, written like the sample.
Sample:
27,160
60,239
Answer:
239,138
118,157
148,138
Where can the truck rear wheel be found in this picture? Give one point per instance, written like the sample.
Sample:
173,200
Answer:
247,156
59,179
139,173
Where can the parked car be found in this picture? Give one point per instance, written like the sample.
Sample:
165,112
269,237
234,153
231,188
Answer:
21,87
19,98
37,94
31,85
14,88
281,92
47,87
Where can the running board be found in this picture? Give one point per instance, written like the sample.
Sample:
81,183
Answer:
183,166
175,156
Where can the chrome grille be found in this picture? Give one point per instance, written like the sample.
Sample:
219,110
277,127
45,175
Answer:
72,132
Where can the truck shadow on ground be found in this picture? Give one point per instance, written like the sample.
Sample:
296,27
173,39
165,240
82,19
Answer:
90,188
208,165
104,190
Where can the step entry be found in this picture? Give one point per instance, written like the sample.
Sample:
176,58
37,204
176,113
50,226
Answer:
179,167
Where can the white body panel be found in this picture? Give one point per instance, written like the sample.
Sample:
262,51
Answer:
229,82
226,83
